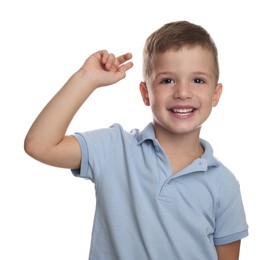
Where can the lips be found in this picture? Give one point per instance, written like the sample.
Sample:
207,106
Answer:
183,112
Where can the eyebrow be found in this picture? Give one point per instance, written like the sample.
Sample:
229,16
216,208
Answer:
202,73
196,73
165,73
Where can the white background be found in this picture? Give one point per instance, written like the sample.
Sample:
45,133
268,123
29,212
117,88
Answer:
47,213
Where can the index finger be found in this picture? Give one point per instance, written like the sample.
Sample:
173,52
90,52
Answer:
123,58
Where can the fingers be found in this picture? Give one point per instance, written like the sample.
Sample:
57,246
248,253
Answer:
116,63
110,61
125,67
123,58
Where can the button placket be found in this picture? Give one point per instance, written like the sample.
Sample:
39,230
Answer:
157,149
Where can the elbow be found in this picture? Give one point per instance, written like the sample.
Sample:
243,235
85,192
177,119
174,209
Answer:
33,147
39,149
29,146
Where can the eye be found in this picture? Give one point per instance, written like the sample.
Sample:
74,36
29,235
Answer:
167,81
199,81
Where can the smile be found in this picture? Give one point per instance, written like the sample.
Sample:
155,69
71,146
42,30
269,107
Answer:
183,111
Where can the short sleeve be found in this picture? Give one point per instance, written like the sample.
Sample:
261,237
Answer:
230,216
97,147
84,171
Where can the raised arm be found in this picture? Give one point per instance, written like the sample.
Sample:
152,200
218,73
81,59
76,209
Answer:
46,140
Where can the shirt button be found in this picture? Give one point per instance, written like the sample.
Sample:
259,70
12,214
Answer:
157,149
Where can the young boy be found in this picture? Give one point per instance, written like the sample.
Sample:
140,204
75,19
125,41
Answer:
161,194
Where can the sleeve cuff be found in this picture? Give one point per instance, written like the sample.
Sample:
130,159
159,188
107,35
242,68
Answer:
83,171
229,239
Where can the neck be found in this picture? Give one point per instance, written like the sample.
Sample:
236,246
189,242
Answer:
181,149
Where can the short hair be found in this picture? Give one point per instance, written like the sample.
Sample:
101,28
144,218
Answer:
176,35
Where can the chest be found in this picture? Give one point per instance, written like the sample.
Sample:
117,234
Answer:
146,183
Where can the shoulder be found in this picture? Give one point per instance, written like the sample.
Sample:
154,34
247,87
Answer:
223,179
114,129
227,191
110,137
218,168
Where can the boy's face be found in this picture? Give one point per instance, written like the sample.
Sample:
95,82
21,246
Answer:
181,90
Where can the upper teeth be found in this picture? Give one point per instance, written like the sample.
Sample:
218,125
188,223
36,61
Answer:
182,111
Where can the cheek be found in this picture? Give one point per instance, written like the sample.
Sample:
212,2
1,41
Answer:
157,98
206,101
208,97
160,103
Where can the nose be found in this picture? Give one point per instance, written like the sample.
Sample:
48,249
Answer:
183,91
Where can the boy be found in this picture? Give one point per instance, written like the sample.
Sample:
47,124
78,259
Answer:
160,192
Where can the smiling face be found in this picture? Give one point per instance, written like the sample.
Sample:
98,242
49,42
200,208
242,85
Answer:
181,90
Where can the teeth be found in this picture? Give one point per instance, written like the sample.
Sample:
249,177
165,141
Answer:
183,111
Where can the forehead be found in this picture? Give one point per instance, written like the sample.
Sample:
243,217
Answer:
185,59
192,55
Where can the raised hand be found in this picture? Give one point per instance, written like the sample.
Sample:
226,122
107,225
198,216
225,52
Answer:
104,69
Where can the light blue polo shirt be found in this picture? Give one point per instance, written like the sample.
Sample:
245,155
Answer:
144,212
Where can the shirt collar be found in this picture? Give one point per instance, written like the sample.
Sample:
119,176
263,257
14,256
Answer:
148,134
208,154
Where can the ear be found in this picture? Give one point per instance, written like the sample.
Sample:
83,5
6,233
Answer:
144,93
217,94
